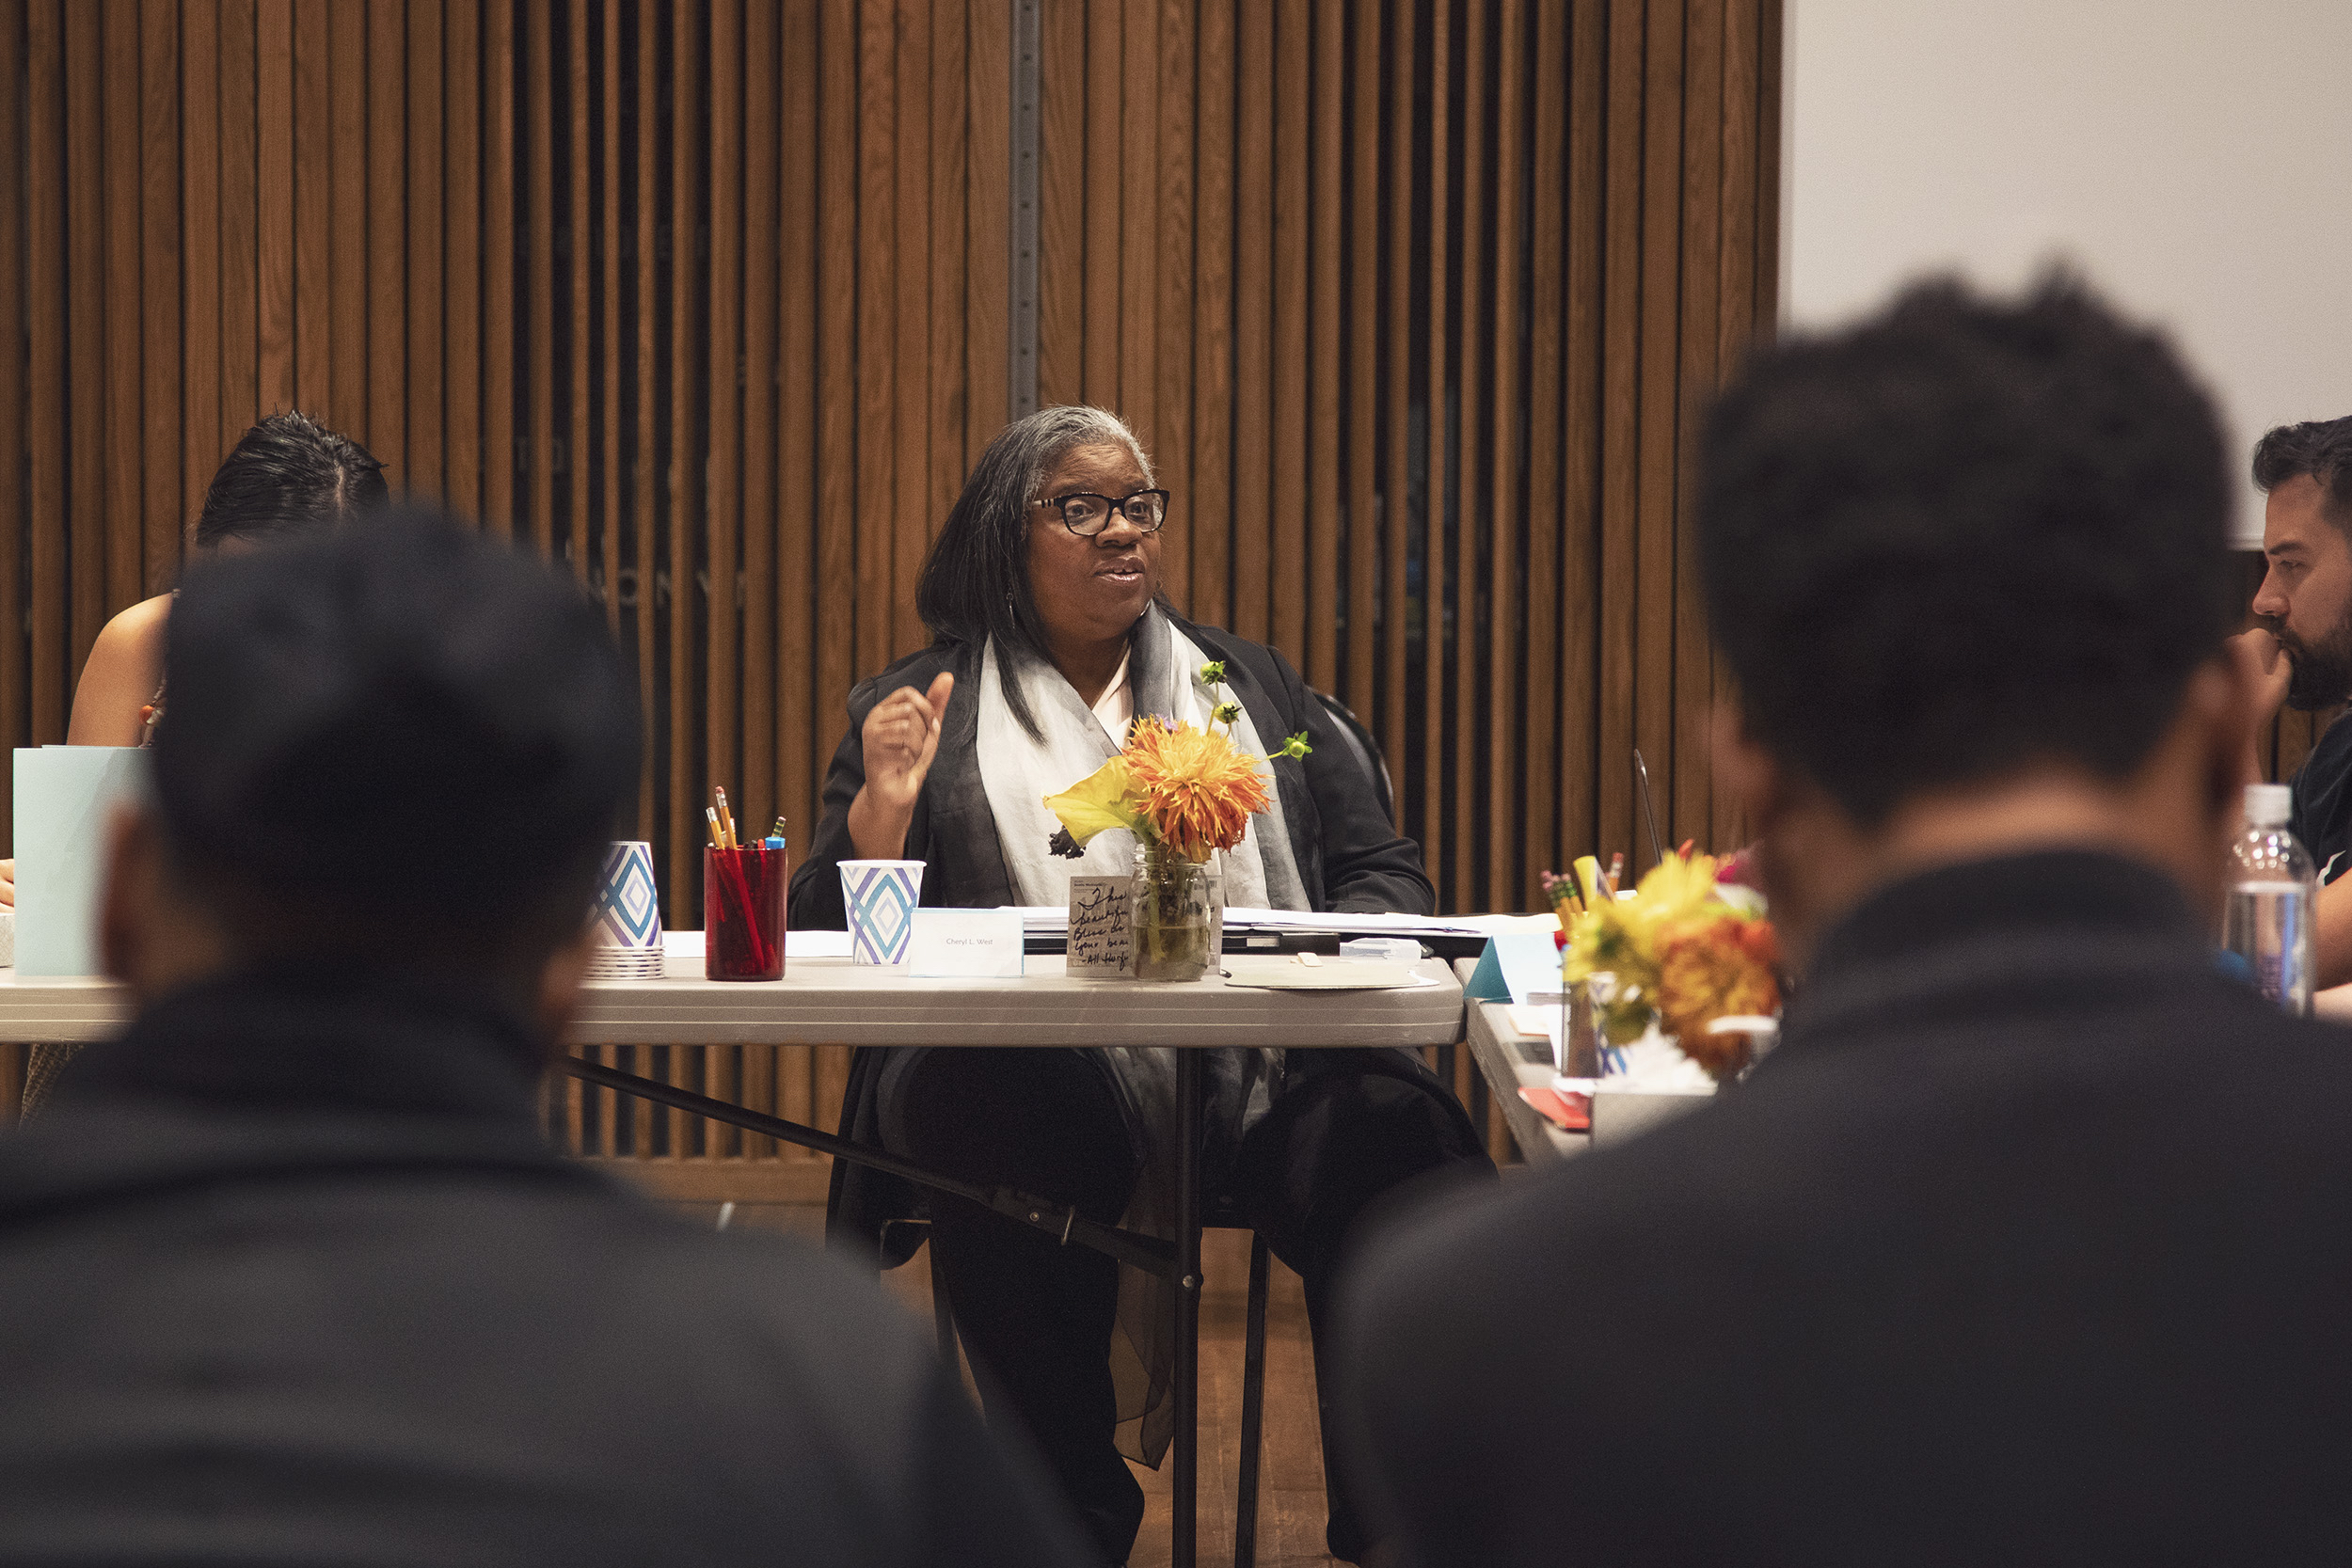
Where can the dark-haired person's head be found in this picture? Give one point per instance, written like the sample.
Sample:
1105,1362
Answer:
394,749
287,475
1966,560
2305,601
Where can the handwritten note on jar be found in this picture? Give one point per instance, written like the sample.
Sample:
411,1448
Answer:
1098,926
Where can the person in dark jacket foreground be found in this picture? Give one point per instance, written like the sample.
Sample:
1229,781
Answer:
2032,1240
292,1275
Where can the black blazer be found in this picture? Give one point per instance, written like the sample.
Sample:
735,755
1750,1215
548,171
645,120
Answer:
2032,1242
292,1275
1350,857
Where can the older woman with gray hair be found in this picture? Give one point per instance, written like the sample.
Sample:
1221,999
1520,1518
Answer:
1041,594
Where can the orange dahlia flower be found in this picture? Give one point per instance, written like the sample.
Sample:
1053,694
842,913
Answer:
1714,964
1197,790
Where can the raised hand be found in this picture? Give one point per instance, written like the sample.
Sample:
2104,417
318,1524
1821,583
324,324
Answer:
901,736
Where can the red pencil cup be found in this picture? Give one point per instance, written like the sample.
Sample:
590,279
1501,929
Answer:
743,913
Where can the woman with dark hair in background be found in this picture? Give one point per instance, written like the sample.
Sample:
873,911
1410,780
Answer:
1043,595
286,476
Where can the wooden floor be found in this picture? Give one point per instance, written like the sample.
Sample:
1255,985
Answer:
1290,1486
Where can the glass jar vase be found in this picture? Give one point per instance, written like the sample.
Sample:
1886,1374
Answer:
1174,914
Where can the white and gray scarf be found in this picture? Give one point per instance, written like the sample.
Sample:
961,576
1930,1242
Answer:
1019,771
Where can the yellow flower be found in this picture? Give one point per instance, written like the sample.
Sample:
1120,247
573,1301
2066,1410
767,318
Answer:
1675,949
1102,799
1196,790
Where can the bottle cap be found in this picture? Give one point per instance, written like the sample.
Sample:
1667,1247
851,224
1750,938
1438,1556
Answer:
2268,805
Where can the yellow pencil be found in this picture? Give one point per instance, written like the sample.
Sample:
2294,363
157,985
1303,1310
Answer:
717,841
1588,873
727,820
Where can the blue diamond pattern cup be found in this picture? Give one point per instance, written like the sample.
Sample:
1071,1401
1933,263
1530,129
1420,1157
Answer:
627,917
880,896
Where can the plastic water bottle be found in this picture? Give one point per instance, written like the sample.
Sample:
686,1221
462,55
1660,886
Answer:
2268,923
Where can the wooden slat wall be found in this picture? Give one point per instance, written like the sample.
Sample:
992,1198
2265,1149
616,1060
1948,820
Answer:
1413,301
1459,275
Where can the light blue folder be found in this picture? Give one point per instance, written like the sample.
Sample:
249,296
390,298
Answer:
65,797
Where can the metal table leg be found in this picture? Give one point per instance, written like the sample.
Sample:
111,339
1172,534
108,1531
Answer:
1189,1088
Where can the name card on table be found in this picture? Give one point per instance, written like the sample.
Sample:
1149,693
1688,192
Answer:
965,944
1099,927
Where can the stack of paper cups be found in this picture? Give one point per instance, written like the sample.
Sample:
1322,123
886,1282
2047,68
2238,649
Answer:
628,918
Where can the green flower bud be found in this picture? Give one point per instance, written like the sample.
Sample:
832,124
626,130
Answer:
1227,713
1213,672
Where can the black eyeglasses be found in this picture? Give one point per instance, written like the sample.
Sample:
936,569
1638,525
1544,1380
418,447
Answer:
1085,514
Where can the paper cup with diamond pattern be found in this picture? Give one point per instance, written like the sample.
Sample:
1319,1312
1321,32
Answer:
881,898
628,916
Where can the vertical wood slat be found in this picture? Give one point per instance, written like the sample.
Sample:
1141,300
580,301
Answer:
126,552
1135,219
1695,379
876,506
461,264
347,232
538,49
200,184
721,473
1552,520
1326,320
240,225
987,215
1171,318
1616,594
387,421
313,188
686,836
14,369
940,458
806,704
1208,510
644,490
1286,507
86,286
1061,273
760,370
1403,23
161,251
274,95
498,223
1509,558
580,445
908,304
1580,434
1430,769
1253,320
45,400
1364,526
425,298
1464,663
1101,87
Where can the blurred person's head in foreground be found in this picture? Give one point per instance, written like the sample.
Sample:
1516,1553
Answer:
1967,562
394,751
2305,600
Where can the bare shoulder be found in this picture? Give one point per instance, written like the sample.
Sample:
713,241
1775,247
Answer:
126,664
